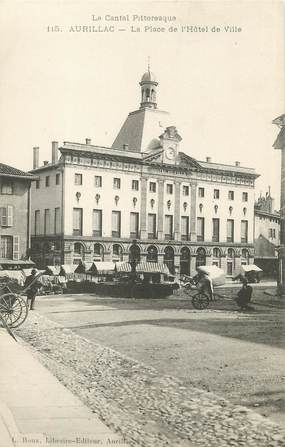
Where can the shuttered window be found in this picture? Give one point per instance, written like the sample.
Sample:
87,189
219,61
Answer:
16,248
7,216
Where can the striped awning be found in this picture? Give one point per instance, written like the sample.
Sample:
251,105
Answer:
143,267
123,266
152,267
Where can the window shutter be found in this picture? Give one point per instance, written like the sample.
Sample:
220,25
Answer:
10,215
4,216
16,248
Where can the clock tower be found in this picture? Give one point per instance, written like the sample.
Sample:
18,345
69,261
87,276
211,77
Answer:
169,141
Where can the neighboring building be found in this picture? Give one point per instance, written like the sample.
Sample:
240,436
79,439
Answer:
142,199
14,213
267,235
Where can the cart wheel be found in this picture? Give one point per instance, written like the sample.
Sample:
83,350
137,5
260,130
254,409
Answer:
200,301
13,309
24,314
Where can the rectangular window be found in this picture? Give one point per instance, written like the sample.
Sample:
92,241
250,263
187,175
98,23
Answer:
97,223
169,188
244,231
78,179
57,223
185,228
57,179
230,230
134,225
37,222
152,226
47,221
116,223
168,227
200,228
47,181
185,190
244,196
216,193
152,186
216,230
201,192
116,183
77,221
37,184
7,187
6,247
98,181
231,195
135,185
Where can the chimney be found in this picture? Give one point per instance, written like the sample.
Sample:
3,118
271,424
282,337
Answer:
88,140
208,159
45,162
54,152
36,151
237,163
125,147
269,191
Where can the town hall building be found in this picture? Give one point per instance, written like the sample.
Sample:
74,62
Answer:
142,199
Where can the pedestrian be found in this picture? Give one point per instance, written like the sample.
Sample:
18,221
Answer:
244,296
32,284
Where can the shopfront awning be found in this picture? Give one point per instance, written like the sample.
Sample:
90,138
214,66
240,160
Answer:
250,268
83,267
52,270
123,266
101,267
67,269
152,267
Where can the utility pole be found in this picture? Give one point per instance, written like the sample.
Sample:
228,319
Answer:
280,144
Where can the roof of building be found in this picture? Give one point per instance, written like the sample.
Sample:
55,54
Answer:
228,168
148,76
10,171
141,130
275,214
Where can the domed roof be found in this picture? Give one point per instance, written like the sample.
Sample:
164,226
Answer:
148,76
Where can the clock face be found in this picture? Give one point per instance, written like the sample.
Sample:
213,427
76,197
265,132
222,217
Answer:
170,153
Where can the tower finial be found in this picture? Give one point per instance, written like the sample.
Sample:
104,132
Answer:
148,63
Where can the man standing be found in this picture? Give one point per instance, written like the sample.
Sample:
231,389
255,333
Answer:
244,296
32,285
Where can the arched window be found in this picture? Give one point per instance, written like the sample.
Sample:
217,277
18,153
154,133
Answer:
185,261
200,257
117,252
168,258
244,257
147,94
216,257
134,253
98,252
151,254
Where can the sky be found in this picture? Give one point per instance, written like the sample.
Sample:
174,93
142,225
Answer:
223,89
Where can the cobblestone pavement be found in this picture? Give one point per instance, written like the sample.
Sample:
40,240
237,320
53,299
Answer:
147,409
